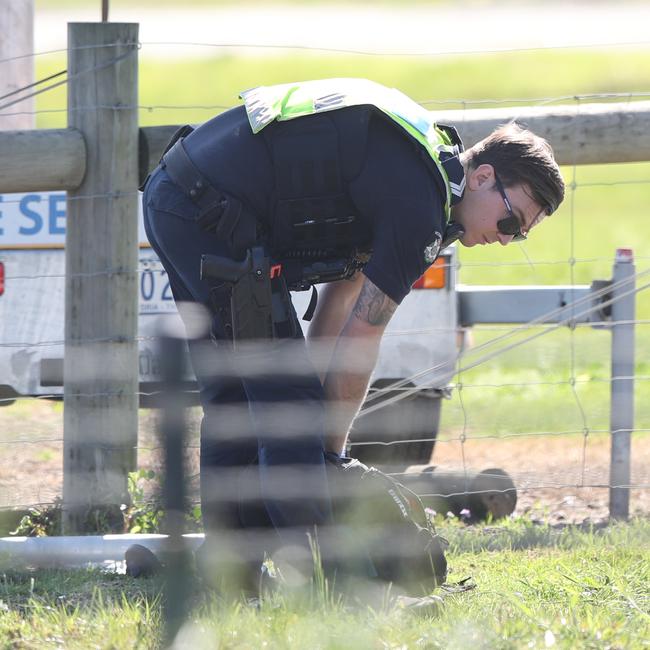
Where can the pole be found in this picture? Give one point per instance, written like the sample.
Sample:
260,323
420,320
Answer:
172,429
17,40
622,386
101,311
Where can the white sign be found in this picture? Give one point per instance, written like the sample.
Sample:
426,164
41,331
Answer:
38,220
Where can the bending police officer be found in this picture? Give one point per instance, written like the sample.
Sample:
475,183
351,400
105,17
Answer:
338,182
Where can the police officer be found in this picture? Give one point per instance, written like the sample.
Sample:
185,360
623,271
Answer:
342,182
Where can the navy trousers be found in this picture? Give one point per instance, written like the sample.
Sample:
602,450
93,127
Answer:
239,462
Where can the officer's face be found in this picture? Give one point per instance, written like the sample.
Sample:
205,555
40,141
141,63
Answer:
483,207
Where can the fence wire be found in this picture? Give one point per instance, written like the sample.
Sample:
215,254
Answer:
379,400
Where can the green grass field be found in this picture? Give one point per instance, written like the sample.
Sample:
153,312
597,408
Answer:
536,587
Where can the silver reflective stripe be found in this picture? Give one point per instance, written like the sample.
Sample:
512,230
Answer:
259,109
329,102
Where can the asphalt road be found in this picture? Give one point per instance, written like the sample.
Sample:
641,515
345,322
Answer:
393,30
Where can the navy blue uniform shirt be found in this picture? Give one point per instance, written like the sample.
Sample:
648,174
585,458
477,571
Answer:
391,186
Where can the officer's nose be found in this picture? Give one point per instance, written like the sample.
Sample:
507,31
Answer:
504,240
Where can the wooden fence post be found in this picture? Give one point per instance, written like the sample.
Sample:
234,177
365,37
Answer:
101,312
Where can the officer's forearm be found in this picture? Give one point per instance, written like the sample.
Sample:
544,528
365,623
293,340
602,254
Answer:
346,385
353,361
335,302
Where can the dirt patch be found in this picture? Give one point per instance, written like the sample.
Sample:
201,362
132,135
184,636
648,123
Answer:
555,475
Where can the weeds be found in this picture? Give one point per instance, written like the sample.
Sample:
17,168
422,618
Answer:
143,514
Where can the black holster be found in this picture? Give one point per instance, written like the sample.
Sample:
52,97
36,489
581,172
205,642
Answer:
260,306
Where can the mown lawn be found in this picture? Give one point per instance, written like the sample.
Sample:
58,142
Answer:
536,587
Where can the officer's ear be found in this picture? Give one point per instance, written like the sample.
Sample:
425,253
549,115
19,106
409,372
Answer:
481,176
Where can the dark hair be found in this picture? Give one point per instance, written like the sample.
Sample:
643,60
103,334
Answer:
520,156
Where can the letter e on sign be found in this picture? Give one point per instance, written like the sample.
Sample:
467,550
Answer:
57,213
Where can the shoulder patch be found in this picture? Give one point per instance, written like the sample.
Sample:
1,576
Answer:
431,250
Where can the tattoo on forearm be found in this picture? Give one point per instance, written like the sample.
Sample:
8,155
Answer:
373,305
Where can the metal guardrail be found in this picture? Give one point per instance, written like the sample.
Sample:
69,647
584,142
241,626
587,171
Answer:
508,304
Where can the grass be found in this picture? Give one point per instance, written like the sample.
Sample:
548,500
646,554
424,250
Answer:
511,392
535,587
78,609
216,76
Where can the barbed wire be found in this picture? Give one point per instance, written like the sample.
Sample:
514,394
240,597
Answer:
606,324
480,327
150,108
443,440
523,489
154,265
372,391
75,48
538,100
566,262
32,85
75,75
565,321
73,198
572,199
297,47
123,194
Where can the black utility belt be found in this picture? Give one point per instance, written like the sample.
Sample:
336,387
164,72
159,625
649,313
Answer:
260,304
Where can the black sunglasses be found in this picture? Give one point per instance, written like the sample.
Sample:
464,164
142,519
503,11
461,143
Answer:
510,225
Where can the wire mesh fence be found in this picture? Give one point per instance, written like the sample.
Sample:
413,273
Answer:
530,400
